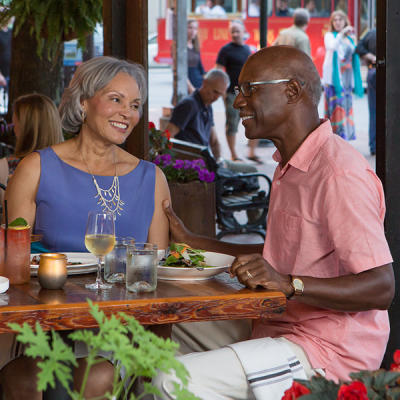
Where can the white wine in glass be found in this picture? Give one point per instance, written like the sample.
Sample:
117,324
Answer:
99,240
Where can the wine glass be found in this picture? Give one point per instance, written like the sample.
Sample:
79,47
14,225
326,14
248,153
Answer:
99,240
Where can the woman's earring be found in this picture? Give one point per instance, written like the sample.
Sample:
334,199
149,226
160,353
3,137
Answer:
83,116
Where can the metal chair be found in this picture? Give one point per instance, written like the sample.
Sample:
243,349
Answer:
235,192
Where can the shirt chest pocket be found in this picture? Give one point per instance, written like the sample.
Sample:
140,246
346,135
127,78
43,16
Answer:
285,232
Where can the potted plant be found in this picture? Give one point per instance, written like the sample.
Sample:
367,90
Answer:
136,350
364,385
190,183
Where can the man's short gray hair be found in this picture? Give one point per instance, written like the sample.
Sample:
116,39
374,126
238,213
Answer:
90,77
301,17
217,73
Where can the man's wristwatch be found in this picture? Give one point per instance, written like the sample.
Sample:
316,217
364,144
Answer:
297,285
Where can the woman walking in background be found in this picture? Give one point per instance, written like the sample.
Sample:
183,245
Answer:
341,73
195,66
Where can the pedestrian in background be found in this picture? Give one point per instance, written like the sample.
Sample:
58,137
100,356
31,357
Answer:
195,66
296,35
367,51
340,74
232,57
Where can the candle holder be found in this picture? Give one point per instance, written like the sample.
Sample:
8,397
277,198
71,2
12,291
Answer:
52,272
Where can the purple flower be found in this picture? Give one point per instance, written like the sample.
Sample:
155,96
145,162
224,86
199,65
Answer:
187,164
179,164
199,162
166,159
157,160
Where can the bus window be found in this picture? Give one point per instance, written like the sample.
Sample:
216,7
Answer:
285,8
253,9
341,5
318,8
204,8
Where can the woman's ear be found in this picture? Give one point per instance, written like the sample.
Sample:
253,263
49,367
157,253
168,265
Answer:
293,91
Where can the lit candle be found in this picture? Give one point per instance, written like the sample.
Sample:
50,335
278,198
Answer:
52,271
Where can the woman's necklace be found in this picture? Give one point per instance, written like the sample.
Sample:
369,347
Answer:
108,199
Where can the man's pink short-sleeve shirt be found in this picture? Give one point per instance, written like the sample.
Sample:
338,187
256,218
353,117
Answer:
326,220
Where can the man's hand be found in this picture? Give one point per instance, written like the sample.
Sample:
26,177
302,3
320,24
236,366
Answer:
253,270
178,231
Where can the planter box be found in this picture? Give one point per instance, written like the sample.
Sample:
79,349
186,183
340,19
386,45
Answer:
194,204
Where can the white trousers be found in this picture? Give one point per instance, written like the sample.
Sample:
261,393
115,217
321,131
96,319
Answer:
219,375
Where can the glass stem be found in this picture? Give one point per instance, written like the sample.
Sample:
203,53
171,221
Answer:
99,280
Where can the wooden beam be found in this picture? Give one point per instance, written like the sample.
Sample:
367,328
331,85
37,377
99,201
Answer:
137,51
388,144
126,36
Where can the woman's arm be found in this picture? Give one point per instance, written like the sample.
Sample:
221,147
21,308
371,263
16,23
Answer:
159,228
22,189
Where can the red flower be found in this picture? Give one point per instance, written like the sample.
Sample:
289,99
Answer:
395,367
151,126
295,391
354,391
167,134
396,357
169,145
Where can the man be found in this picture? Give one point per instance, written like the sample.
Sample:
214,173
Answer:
192,118
366,48
296,35
282,9
325,247
232,57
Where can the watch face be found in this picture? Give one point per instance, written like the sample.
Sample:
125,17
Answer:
298,285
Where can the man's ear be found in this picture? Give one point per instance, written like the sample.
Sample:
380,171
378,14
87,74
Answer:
293,91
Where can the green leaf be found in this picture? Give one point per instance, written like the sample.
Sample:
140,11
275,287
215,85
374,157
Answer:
18,222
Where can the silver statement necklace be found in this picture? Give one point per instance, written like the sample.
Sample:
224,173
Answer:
108,199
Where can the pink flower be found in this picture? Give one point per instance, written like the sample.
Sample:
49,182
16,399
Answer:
354,391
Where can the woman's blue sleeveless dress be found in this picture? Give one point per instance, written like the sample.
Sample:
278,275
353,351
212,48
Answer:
66,195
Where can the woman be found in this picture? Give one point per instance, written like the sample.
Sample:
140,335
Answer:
341,73
55,188
36,125
195,67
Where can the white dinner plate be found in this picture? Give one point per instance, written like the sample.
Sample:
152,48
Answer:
88,260
219,263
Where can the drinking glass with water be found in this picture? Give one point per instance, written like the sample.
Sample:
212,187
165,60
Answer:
115,261
141,267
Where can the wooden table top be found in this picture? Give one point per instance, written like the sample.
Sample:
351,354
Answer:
174,301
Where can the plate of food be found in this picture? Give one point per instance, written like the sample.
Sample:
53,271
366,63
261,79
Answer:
77,263
186,263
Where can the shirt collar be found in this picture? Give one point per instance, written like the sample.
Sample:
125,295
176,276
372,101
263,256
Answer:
196,94
305,154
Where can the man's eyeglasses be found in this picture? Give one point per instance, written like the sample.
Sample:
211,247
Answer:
245,87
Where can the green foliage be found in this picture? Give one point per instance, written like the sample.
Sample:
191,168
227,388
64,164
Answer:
138,351
320,388
53,20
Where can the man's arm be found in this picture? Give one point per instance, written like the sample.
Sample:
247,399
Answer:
173,129
363,49
371,289
214,144
179,233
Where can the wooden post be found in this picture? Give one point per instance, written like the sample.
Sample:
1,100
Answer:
126,36
388,145
179,47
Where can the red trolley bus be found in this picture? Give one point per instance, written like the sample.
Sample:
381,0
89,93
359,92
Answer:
213,33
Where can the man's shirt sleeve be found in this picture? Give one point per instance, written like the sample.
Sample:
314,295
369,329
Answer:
182,114
221,58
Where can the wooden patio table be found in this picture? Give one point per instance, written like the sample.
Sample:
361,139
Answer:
219,298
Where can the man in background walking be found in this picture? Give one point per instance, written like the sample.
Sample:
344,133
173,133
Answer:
232,57
366,48
295,35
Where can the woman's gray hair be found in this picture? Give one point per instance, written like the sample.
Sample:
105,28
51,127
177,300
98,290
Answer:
90,77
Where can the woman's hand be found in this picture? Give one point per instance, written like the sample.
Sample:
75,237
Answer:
253,270
348,30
